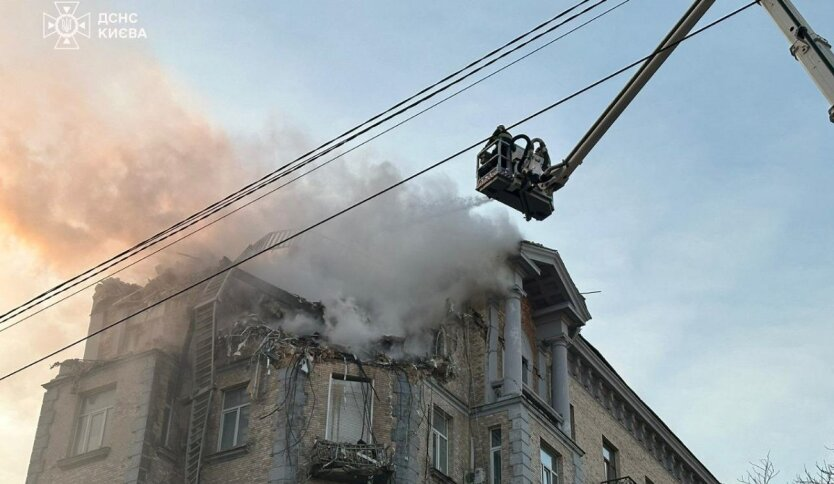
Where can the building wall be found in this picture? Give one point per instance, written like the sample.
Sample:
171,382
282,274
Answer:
137,381
595,422
251,462
290,405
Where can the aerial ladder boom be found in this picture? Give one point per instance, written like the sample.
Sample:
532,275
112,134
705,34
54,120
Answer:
811,50
521,175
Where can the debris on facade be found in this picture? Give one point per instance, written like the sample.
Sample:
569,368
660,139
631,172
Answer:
212,387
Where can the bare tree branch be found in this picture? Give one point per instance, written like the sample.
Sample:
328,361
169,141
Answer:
762,472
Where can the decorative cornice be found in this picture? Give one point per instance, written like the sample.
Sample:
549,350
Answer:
545,421
600,380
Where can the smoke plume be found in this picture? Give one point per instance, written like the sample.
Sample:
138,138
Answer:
394,265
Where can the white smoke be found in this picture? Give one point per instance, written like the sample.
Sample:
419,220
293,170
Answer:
391,266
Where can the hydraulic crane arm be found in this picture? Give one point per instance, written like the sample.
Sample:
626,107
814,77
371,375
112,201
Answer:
811,50
559,174
522,177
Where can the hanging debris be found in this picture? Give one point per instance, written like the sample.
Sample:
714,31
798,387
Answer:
343,462
251,338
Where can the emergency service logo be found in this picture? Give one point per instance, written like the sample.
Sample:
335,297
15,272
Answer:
66,25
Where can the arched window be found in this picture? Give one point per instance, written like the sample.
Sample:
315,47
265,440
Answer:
440,344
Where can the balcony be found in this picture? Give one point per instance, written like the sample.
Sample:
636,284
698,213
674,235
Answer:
343,462
620,480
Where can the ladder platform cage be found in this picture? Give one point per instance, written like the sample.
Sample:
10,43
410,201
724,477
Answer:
509,173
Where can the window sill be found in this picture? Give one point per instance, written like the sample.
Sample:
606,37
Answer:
85,458
439,476
228,454
167,453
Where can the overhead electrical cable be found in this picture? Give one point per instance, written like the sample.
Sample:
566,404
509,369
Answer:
284,171
381,192
280,172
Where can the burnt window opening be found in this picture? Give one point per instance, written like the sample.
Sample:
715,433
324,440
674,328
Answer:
441,346
349,410
234,419
94,420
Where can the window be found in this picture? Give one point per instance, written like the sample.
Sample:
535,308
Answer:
495,456
525,370
96,410
350,407
440,348
609,460
234,421
440,426
167,423
550,466
572,425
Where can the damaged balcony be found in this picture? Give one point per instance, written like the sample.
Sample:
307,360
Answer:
344,462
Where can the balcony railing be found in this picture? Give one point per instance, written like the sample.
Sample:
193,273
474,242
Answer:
344,462
620,480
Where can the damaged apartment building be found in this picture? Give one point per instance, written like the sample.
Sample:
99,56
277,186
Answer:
215,386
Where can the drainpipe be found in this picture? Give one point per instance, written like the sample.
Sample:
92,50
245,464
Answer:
512,339
559,389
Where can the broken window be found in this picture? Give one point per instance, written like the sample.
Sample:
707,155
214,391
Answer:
350,410
440,427
92,427
550,466
234,420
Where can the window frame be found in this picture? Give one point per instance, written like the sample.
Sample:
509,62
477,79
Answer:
167,423
572,423
495,456
236,409
610,466
546,472
436,435
525,371
368,434
88,416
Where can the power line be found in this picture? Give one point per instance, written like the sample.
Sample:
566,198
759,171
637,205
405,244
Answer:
383,191
279,173
273,190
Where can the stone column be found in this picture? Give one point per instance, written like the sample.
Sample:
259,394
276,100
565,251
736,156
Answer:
559,383
512,340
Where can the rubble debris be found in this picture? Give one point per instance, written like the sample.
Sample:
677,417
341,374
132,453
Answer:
343,462
251,338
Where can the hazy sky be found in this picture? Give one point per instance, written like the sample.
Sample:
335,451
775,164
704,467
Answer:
704,216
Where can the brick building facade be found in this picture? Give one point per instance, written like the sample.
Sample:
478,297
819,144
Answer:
213,386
